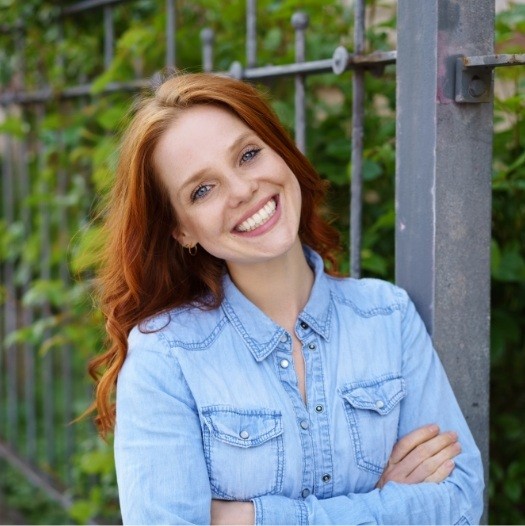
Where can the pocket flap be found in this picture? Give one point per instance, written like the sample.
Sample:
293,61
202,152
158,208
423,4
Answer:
243,427
380,395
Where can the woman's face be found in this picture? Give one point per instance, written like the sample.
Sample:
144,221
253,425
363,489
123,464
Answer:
232,193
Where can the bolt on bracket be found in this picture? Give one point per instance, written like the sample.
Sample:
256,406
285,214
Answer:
475,76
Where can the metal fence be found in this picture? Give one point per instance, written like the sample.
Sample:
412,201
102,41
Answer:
443,201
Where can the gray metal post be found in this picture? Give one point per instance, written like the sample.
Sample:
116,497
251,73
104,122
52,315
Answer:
300,23
358,116
171,51
207,39
109,36
444,152
251,33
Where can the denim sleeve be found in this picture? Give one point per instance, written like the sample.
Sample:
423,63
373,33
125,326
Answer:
457,500
161,472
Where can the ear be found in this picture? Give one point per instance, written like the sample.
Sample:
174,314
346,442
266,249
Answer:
183,237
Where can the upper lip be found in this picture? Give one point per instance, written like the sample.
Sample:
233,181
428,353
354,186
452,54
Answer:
260,204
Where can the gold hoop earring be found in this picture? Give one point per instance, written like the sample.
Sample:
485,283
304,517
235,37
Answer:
192,250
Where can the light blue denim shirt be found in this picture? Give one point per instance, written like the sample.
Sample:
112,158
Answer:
208,407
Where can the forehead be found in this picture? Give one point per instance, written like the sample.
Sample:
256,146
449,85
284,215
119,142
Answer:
197,138
199,124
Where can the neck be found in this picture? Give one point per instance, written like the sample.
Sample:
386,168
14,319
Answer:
279,287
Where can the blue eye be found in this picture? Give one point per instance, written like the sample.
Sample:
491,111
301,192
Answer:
249,155
200,192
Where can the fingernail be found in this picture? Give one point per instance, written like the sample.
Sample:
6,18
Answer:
433,428
454,435
450,463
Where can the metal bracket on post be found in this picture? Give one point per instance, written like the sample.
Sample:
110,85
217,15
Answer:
475,76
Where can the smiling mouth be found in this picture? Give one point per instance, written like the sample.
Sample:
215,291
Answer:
259,218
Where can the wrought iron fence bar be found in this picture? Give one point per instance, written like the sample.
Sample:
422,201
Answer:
27,316
10,307
48,383
307,68
300,23
35,476
171,54
358,115
493,61
285,70
66,362
82,90
109,35
207,38
90,4
251,33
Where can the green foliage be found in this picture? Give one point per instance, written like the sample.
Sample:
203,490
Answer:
507,434
33,505
71,153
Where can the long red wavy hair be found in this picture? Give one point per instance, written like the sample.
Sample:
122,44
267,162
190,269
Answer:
144,269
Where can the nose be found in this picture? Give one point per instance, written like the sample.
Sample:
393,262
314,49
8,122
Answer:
241,188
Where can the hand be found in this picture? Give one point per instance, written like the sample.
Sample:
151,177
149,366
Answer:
424,455
232,512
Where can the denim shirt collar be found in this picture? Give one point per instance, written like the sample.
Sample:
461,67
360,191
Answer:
261,333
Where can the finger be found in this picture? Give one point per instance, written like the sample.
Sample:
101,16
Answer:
431,447
406,444
442,472
427,450
432,464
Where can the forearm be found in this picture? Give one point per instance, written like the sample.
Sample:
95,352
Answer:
425,503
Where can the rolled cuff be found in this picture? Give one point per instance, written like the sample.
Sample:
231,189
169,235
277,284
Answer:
275,509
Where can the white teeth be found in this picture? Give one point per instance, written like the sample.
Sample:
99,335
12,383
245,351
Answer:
259,218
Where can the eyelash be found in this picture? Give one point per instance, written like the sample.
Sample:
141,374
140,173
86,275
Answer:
194,196
250,154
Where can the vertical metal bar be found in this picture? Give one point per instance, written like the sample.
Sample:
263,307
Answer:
67,366
207,39
171,55
109,35
45,274
27,311
251,33
358,116
443,195
27,316
300,23
10,315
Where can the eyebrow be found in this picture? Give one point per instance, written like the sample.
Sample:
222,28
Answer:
233,146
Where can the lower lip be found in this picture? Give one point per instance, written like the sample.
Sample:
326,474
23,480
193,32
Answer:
266,226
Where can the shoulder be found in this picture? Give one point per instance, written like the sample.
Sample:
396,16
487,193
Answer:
368,296
187,327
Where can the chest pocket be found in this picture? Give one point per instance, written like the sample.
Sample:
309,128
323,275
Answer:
244,451
372,412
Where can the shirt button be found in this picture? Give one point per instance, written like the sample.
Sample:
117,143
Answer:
327,478
380,404
244,434
284,364
305,493
304,424
312,346
319,408
284,338
304,325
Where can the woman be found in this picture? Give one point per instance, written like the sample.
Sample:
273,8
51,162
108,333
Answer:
254,386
